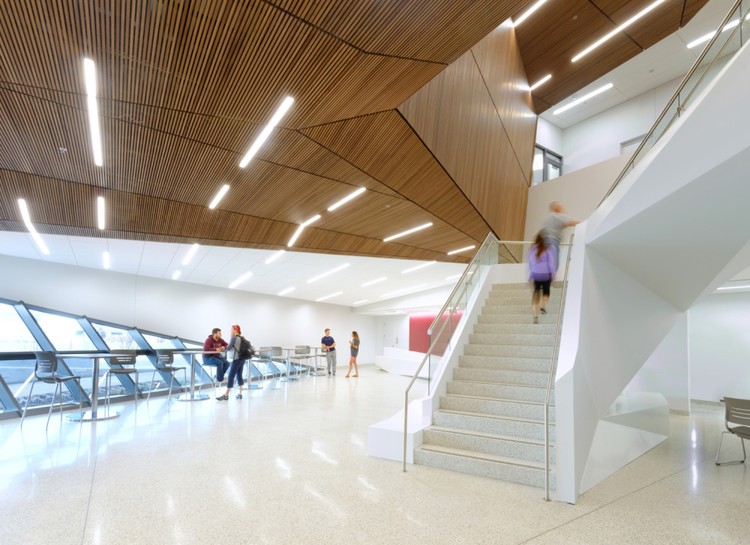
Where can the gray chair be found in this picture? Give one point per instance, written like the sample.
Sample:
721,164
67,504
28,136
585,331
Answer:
45,371
737,422
302,353
125,361
165,364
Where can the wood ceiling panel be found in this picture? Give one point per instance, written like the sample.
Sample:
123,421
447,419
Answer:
660,22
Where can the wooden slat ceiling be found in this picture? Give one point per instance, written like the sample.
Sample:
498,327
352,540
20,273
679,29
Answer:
563,28
185,86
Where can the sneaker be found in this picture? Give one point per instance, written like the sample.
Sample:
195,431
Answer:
222,398
543,310
239,396
536,320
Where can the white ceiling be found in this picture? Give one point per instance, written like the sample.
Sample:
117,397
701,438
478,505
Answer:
219,266
663,62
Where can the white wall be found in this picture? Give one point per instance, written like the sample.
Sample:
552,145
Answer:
183,309
549,136
393,331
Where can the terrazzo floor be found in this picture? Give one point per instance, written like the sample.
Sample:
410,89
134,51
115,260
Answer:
288,465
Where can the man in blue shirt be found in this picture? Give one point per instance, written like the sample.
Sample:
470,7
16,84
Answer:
329,347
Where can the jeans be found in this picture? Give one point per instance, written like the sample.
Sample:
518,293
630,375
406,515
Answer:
221,364
331,361
235,371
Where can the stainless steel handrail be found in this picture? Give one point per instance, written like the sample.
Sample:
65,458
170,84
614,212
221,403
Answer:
675,96
553,370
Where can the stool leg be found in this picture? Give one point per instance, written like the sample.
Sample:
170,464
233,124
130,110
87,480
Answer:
28,400
151,385
54,396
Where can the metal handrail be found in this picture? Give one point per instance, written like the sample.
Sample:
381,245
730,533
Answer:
675,96
553,370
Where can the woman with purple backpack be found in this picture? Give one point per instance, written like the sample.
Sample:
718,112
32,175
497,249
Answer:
542,269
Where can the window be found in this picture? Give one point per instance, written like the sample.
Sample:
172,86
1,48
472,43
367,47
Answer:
65,333
14,336
116,338
547,165
159,342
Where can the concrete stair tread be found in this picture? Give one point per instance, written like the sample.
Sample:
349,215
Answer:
535,442
485,457
493,416
464,381
484,398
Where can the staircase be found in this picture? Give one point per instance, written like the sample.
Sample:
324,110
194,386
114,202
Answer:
491,421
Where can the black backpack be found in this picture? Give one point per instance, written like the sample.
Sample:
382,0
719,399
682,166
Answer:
246,349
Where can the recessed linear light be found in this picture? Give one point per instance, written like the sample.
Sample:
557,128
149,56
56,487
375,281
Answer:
422,266
176,275
620,28
191,253
541,82
346,199
454,252
266,132
703,39
733,288
402,291
329,296
328,273
376,281
360,302
239,280
219,196
408,232
528,12
89,74
106,263
30,226
584,98
274,256
285,291
301,228
100,213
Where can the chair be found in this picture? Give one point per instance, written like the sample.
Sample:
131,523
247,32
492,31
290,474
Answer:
165,364
125,360
737,412
45,371
302,353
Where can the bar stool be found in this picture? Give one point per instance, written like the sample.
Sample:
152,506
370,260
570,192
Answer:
126,359
165,364
45,371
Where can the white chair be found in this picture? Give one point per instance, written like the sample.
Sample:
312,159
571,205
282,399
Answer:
737,413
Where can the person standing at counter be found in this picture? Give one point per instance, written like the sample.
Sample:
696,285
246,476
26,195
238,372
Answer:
329,347
214,343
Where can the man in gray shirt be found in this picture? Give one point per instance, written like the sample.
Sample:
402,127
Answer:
553,226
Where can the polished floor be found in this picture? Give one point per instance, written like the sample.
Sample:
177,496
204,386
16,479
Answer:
288,465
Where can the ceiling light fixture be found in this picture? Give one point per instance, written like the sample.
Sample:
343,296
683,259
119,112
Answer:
360,302
466,249
301,228
105,260
408,232
100,213
89,74
376,281
240,280
191,253
176,275
266,132
584,98
541,82
219,196
703,39
620,28
285,291
275,256
527,13
346,199
328,273
329,296
732,288
401,292
30,226
422,266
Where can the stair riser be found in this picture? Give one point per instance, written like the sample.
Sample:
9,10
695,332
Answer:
495,407
517,309
515,339
526,430
519,298
511,350
515,329
488,445
483,468
499,391
502,377
506,363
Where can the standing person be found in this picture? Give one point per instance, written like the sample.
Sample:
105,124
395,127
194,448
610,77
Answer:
329,347
542,269
214,343
354,346
553,226
238,363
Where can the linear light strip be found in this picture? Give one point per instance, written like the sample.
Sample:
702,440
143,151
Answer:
466,249
301,228
541,82
732,288
30,226
239,280
176,275
346,199
408,232
287,290
219,196
275,256
620,28
528,13
703,39
89,73
376,281
418,267
584,98
100,213
191,253
328,273
329,296
266,132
